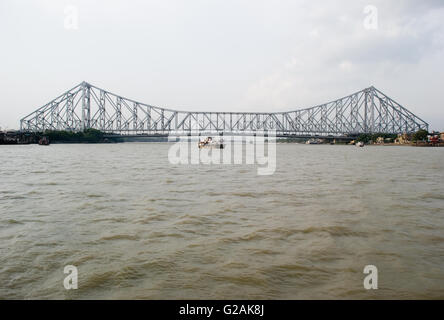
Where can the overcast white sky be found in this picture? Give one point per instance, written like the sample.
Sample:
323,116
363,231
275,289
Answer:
223,55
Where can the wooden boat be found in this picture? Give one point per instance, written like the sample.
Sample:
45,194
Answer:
44,141
313,141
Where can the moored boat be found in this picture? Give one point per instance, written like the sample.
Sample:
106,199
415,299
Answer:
44,141
313,141
210,143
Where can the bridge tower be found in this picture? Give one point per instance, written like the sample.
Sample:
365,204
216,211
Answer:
86,106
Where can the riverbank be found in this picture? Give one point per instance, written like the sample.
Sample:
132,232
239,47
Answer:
55,136
97,136
410,144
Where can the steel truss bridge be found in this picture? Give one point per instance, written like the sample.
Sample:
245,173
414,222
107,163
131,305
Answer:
87,106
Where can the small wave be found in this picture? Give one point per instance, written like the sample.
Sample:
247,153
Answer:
150,219
111,278
33,192
6,191
120,237
248,237
94,196
435,196
169,200
115,219
13,221
264,252
214,194
434,239
235,265
187,219
243,279
361,182
157,234
245,194
294,267
334,231
15,197
50,183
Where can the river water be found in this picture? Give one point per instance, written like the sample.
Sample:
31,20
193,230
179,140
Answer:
138,227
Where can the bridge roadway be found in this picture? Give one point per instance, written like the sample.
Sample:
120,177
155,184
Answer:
213,134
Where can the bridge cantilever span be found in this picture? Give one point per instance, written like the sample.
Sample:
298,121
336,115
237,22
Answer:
87,106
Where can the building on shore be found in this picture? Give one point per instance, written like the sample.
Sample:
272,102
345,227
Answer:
402,139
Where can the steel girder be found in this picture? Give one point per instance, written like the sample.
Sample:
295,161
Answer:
87,106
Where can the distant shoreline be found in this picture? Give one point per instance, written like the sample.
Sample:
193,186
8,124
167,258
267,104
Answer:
93,136
422,145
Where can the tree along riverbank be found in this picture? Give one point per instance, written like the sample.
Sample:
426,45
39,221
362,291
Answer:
420,138
55,136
